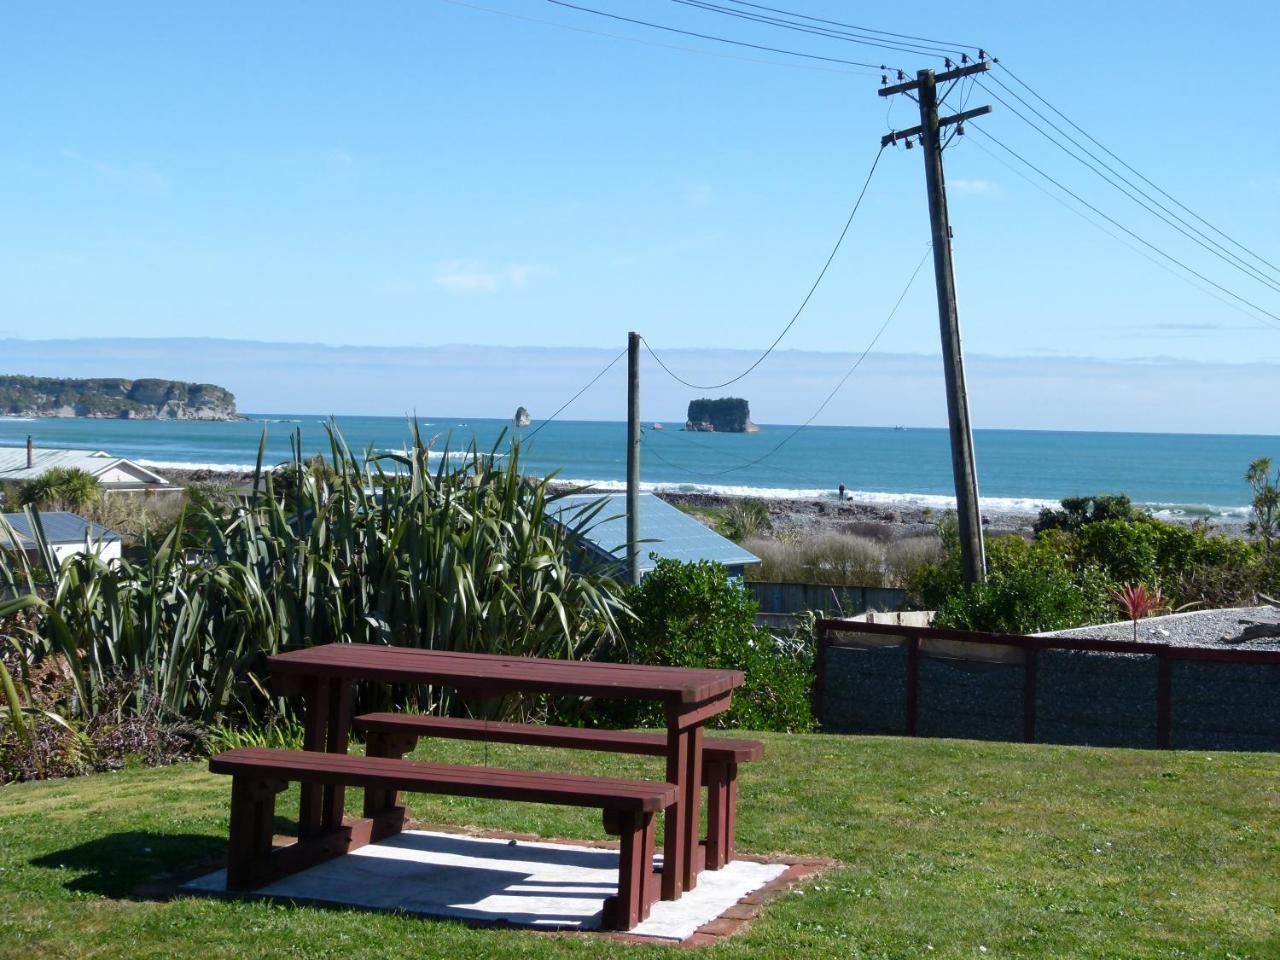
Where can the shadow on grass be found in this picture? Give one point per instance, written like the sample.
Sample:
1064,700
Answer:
137,865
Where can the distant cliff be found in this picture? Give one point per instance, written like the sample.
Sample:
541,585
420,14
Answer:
115,399
726,415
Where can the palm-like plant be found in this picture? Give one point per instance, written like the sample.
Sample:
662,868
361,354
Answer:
1138,600
60,488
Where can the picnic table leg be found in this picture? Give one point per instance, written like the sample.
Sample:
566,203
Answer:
315,712
692,809
674,850
339,726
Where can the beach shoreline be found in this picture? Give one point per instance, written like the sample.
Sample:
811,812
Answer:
813,516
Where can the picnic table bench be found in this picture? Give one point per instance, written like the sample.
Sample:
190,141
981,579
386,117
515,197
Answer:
258,774
395,734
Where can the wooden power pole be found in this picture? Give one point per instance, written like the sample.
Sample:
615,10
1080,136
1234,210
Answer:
963,466
633,457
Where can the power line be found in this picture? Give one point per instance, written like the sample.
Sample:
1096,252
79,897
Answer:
1146,243
824,32
1134,192
945,44
651,43
590,383
1135,172
707,36
839,384
794,317
1112,234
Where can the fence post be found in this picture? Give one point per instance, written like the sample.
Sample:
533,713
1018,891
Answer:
1164,701
819,671
1031,669
913,682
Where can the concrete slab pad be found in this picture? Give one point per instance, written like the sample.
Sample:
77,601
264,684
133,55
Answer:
545,886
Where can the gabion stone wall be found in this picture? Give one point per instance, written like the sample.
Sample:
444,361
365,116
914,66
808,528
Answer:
1096,699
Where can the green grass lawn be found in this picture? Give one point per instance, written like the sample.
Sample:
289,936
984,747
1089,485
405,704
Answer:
946,847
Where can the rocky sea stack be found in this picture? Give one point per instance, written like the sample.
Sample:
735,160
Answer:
726,415
522,418
115,399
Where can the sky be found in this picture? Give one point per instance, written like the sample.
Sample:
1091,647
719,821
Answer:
512,173
887,389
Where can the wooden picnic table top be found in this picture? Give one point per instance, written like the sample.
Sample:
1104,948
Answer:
366,661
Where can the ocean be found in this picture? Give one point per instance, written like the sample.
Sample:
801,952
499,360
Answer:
1018,470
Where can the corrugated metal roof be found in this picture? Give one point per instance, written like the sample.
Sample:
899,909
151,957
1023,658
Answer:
13,462
60,527
673,535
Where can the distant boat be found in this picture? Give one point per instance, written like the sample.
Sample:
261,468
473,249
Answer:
899,428
658,426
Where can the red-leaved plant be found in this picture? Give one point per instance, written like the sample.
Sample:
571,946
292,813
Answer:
1138,600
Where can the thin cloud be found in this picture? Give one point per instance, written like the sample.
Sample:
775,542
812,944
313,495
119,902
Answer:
473,276
136,176
971,186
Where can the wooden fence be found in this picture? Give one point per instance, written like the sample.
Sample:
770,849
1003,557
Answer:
788,598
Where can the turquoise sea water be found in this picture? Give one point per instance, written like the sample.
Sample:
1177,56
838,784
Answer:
1018,469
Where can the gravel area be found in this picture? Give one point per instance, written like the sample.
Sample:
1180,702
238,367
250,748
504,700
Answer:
1237,628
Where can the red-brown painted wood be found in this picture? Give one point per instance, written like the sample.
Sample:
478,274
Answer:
366,661
714,749
315,736
691,697
339,727
692,803
715,775
674,851
636,892
485,782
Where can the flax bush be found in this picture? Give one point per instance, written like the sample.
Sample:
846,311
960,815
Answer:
448,551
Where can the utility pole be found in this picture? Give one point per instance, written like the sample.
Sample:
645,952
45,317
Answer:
963,466
633,457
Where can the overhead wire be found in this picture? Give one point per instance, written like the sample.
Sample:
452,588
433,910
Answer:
1142,240
699,51
718,39
564,406
1101,146
825,32
1131,190
799,310
1111,233
834,390
945,44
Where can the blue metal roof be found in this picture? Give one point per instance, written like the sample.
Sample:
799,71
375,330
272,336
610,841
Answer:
61,527
672,534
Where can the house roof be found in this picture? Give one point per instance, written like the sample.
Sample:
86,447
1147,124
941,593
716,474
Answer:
13,463
60,528
672,534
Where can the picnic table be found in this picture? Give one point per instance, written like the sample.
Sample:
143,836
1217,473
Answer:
323,676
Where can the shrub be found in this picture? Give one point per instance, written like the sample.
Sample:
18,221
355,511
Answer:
694,615
836,559
1079,512
1125,550
903,559
932,584
1030,587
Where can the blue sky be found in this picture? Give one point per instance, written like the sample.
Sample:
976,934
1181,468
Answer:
430,173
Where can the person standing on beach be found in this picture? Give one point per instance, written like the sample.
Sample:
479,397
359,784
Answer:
842,493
